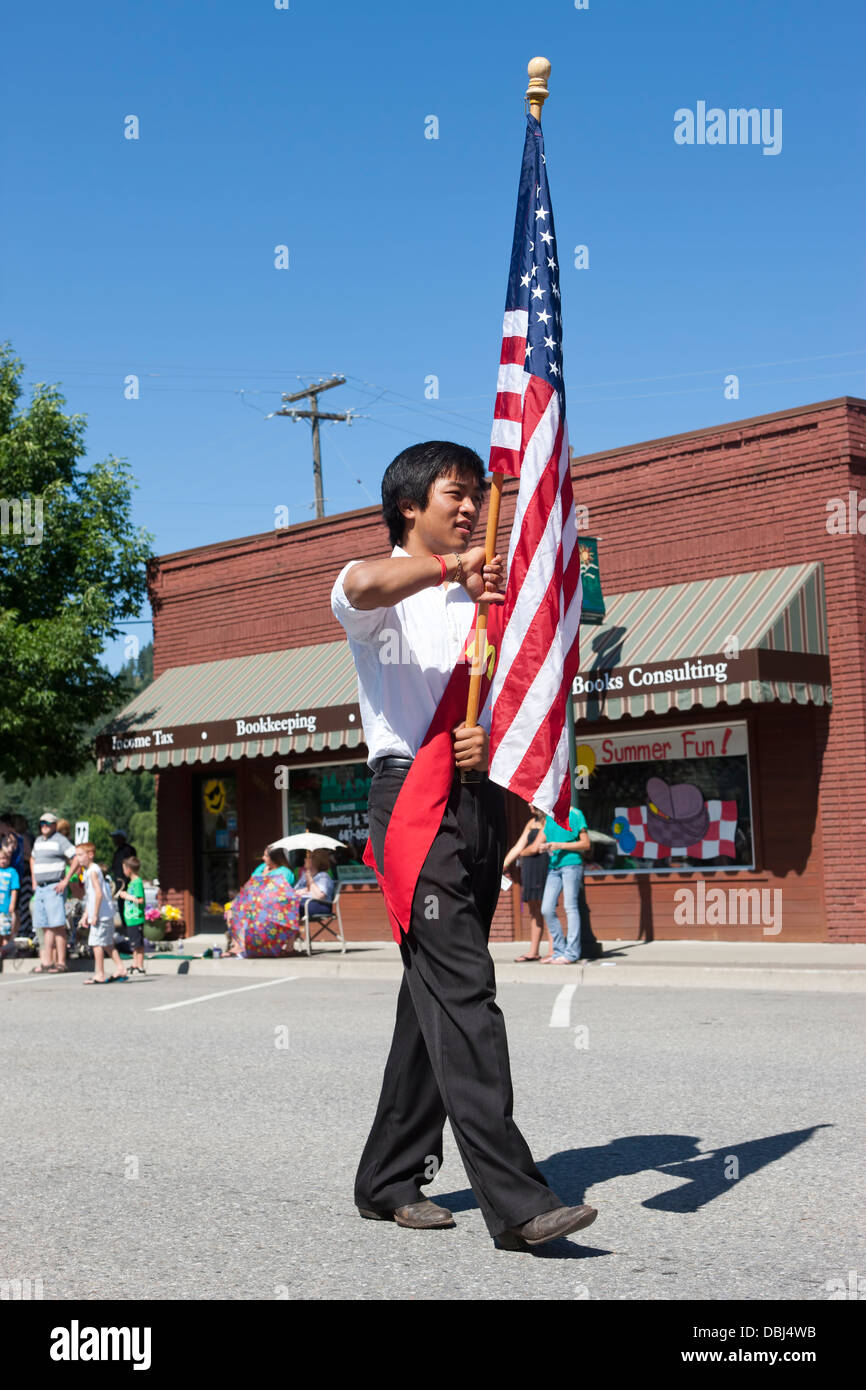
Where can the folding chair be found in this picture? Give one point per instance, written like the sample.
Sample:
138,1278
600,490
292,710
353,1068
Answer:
324,922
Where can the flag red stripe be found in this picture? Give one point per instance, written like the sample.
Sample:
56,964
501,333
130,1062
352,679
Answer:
508,406
504,460
513,351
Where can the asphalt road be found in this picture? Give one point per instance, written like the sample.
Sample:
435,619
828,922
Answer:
208,1151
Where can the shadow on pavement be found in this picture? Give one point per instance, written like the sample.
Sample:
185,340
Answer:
708,1174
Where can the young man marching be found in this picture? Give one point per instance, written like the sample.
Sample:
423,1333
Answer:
408,618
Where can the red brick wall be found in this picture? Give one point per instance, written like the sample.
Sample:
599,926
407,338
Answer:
754,496
750,495
786,744
260,813
846,823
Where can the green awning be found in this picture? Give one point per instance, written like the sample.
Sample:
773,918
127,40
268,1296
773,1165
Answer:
758,636
301,700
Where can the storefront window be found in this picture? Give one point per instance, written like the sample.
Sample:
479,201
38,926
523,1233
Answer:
333,800
668,800
218,847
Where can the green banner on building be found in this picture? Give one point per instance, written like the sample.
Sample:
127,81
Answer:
592,612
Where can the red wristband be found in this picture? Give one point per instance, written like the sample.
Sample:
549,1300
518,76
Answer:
443,567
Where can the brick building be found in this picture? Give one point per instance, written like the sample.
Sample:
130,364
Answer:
713,751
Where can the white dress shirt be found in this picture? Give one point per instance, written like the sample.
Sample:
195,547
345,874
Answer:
404,656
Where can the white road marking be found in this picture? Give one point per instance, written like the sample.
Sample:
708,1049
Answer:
560,1016
200,999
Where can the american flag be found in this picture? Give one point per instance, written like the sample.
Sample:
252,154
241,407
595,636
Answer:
538,656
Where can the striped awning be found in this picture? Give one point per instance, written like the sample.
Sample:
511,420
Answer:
758,636
302,700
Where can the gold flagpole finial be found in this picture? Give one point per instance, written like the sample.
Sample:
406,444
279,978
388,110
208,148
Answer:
536,92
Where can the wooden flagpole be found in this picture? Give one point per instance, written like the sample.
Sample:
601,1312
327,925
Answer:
536,94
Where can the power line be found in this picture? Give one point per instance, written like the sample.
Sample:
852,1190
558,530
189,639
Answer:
156,369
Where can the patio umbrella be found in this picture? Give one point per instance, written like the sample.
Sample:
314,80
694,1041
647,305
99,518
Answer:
264,915
307,840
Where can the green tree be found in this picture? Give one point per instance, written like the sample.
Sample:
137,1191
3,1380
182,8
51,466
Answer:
117,797
100,835
72,566
137,674
142,833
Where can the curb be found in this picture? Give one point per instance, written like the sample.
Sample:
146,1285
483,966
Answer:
598,974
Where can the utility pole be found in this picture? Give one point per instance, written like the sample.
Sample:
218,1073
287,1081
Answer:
314,415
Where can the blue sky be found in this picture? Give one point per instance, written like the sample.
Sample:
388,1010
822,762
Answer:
306,127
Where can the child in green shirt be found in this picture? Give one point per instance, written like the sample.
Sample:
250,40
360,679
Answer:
133,912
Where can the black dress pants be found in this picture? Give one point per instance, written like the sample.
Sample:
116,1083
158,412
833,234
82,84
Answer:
449,1054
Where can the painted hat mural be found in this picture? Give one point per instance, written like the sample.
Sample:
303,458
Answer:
676,815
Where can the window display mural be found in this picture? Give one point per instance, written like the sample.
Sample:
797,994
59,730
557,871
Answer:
335,798
217,875
668,800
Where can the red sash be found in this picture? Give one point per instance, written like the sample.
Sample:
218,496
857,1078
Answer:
418,810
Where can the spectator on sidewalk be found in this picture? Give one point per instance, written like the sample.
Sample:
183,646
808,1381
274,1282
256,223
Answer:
316,885
99,918
275,861
122,850
74,900
132,898
564,878
533,876
21,828
10,885
19,847
50,876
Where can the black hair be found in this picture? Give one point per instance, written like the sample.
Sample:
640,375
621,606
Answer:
278,855
411,475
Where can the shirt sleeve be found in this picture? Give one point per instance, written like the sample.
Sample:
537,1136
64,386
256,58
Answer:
15,880
67,848
326,883
578,821
361,624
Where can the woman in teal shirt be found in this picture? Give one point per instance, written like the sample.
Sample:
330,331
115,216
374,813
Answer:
275,862
564,876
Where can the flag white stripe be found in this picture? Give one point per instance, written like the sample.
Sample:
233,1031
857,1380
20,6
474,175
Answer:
515,323
507,433
512,377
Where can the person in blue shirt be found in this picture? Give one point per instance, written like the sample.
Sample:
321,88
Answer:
316,884
10,884
564,847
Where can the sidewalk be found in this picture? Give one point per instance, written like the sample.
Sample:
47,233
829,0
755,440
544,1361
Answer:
666,964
